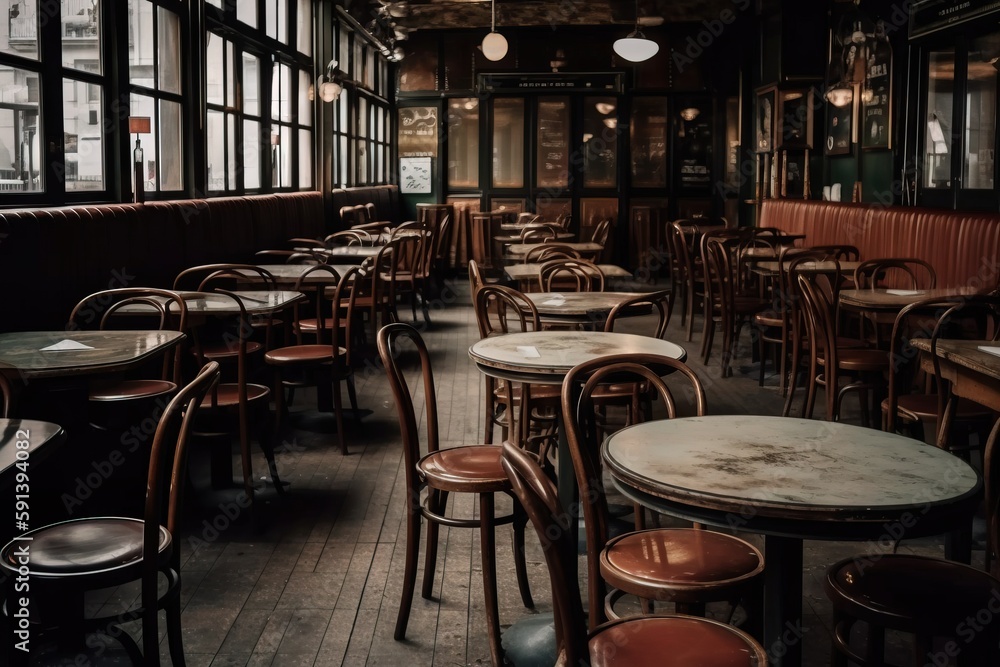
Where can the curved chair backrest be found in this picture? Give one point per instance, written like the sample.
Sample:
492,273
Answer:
197,277
475,278
540,500
549,251
389,350
601,231
842,253
584,444
818,308
497,307
442,239
905,272
314,282
538,235
6,397
167,305
661,301
349,237
167,475
570,275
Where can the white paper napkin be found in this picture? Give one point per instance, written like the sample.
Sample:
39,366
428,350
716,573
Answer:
904,292
65,345
990,349
554,302
528,351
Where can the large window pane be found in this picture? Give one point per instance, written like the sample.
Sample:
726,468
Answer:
305,105
215,134
508,143
937,136
246,11
980,120
251,154
231,151
142,50
600,142
552,157
230,74
463,143
20,130
142,105
304,21
83,137
81,37
649,142
281,93
251,84
169,51
170,128
283,165
215,72
22,36
305,159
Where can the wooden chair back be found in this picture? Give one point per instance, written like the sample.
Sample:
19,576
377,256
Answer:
570,275
549,251
904,272
314,282
581,424
499,307
661,302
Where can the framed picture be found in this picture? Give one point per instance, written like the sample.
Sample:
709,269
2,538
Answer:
794,173
415,175
839,129
764,120
876,98
795,119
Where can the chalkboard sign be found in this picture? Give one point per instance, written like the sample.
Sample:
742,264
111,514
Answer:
418,128
876,97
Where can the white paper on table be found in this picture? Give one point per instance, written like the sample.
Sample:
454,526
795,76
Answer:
990,349
66,345
904,292
528,351
554,302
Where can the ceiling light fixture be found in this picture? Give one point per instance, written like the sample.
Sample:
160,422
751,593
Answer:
840,95
635,47
604,108
494,44
327,85
690,113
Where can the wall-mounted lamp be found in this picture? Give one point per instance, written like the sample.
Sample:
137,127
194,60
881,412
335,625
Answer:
690,113
494,44
635,47
328,85
138,125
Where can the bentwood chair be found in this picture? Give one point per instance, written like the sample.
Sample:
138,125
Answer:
570,275
239,401
6,397
73,557
466,469
901,273
644,641
329,361
108,309
686,566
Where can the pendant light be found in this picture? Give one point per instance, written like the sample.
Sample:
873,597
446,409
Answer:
494,44
635,47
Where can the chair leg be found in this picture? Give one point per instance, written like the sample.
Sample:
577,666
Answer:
410,570
488,547
267,446
338,413
279,403
488,412
520,566
352,394
175,639
437,502
247,462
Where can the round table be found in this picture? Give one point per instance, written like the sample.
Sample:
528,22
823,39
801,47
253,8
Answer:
793,479
587,308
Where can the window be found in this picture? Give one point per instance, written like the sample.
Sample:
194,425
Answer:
155,77
508,142
463,143
289,128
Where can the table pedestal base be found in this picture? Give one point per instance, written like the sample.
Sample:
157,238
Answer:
783,629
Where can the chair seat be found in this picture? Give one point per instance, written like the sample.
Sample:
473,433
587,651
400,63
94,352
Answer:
670,641
539,393
861,360
472,469
684,558
220,351
227,395
749,305
311,325
130,390
903,591
94,545
302,354
924,407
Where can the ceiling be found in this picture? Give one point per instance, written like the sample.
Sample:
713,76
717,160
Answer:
444,14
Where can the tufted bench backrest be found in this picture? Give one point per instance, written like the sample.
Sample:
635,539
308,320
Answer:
50,258
963,247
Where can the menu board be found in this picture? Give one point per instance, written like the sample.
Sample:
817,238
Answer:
876,128
418,130
552,160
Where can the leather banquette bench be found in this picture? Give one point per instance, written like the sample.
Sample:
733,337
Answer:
50,258
962,246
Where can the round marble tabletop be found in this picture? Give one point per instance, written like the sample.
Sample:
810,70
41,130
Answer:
577,304
799,477
895,299
544,357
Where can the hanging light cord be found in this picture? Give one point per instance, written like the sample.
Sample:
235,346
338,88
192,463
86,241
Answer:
493,21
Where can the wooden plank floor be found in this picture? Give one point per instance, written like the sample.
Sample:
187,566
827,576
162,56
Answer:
319,584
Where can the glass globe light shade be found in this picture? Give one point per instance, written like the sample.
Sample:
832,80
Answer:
494,46
636,48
